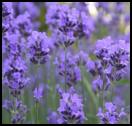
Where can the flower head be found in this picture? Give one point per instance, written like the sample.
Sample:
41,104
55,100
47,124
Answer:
38,92
39,49
68,69
71,107
111,115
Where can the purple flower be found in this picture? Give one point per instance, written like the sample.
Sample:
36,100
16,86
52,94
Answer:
7,16
120,53
23,24
67,24
81,58
53,118
118,101
14,75
29,7
20,114
17,110
7,105
38,44
68,69
97,84
114,56
66,39
38,92
111,115
71,107
91,67
86,25
7,9
102,48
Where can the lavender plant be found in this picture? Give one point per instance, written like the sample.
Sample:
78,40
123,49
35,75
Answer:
65,63
111,114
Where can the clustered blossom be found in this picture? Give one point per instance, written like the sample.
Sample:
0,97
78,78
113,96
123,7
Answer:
70,110
113,54
29,7
53,118
15,74
81,58
38,44
113,59
7,15
38,93
15,37
23,24
111,115
66,24
67,68
17,109
14,44
101,80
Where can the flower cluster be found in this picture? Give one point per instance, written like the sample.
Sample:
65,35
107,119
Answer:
71,107
23,24
70,110
7,15
68,69
38,93
38,44
15,74
53,118
53,43
101,80
67,24
81,58
113,59
111,115
17,109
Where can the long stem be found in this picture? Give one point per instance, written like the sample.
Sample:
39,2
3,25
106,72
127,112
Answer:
65,66
103,99
37,112
83,87
112,90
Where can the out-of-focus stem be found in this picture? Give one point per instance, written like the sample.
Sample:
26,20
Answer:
37,112
65,66
112,87
103,99
82,87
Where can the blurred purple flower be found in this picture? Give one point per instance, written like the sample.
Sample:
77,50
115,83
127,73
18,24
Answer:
68,68
17,109
111,115
38,44
38,92
7,15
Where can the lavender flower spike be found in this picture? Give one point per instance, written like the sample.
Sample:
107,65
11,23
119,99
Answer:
38,92
111,115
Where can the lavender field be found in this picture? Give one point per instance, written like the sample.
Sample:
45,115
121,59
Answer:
65,62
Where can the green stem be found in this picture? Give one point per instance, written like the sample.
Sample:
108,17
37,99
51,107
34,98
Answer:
37,121
103,99
112,90
83,87
65,66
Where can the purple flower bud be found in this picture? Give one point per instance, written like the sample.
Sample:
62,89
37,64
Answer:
38,92
111,115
